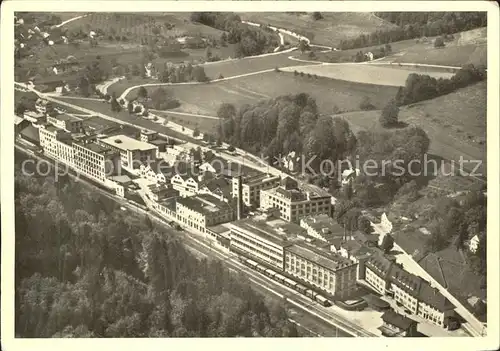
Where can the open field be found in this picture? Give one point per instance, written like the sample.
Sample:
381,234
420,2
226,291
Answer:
123,115
248,65
327,31
364,73
447,56
206,98
116,53
140,25
466,47
225,68
119,87
455,123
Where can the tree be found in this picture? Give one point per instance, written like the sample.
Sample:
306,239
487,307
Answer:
366,104
199,74
84,86
196,132
303,46
130,107
142,93
364,225
163,99
439,42
387,243
115,106
137,109
156,30
231,148
389,115
407,193
226,111
148,222
136,70
317,16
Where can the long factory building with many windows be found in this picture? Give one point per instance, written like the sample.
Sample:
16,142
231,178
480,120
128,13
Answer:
86,157
283,246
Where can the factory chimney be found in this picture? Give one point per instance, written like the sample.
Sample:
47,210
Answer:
237,193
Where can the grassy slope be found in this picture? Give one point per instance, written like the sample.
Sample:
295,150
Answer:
467,47
455,123
328,31
226,68
141,25
205,99
129,52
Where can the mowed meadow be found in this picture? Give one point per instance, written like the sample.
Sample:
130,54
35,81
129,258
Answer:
331,95
365,73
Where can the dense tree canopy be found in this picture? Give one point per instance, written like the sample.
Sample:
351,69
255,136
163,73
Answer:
162,99
285,124
420,87
84,269
387,155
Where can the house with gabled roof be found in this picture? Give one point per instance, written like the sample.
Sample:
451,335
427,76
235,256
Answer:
217,187
397,325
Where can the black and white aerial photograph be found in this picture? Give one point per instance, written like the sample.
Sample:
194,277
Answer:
225,173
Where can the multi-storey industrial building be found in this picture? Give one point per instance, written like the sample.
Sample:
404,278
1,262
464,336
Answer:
202,211
252,186
260,240
293,203
321,268
95,161
133,152
67,122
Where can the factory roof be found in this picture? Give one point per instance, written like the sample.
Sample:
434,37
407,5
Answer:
125,143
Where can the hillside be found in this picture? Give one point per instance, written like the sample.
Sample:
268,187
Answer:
329,30
169,24
455,123
466,47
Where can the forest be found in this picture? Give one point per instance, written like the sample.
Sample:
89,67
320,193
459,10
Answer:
284,124
250,41
413,25
85,269
419,87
